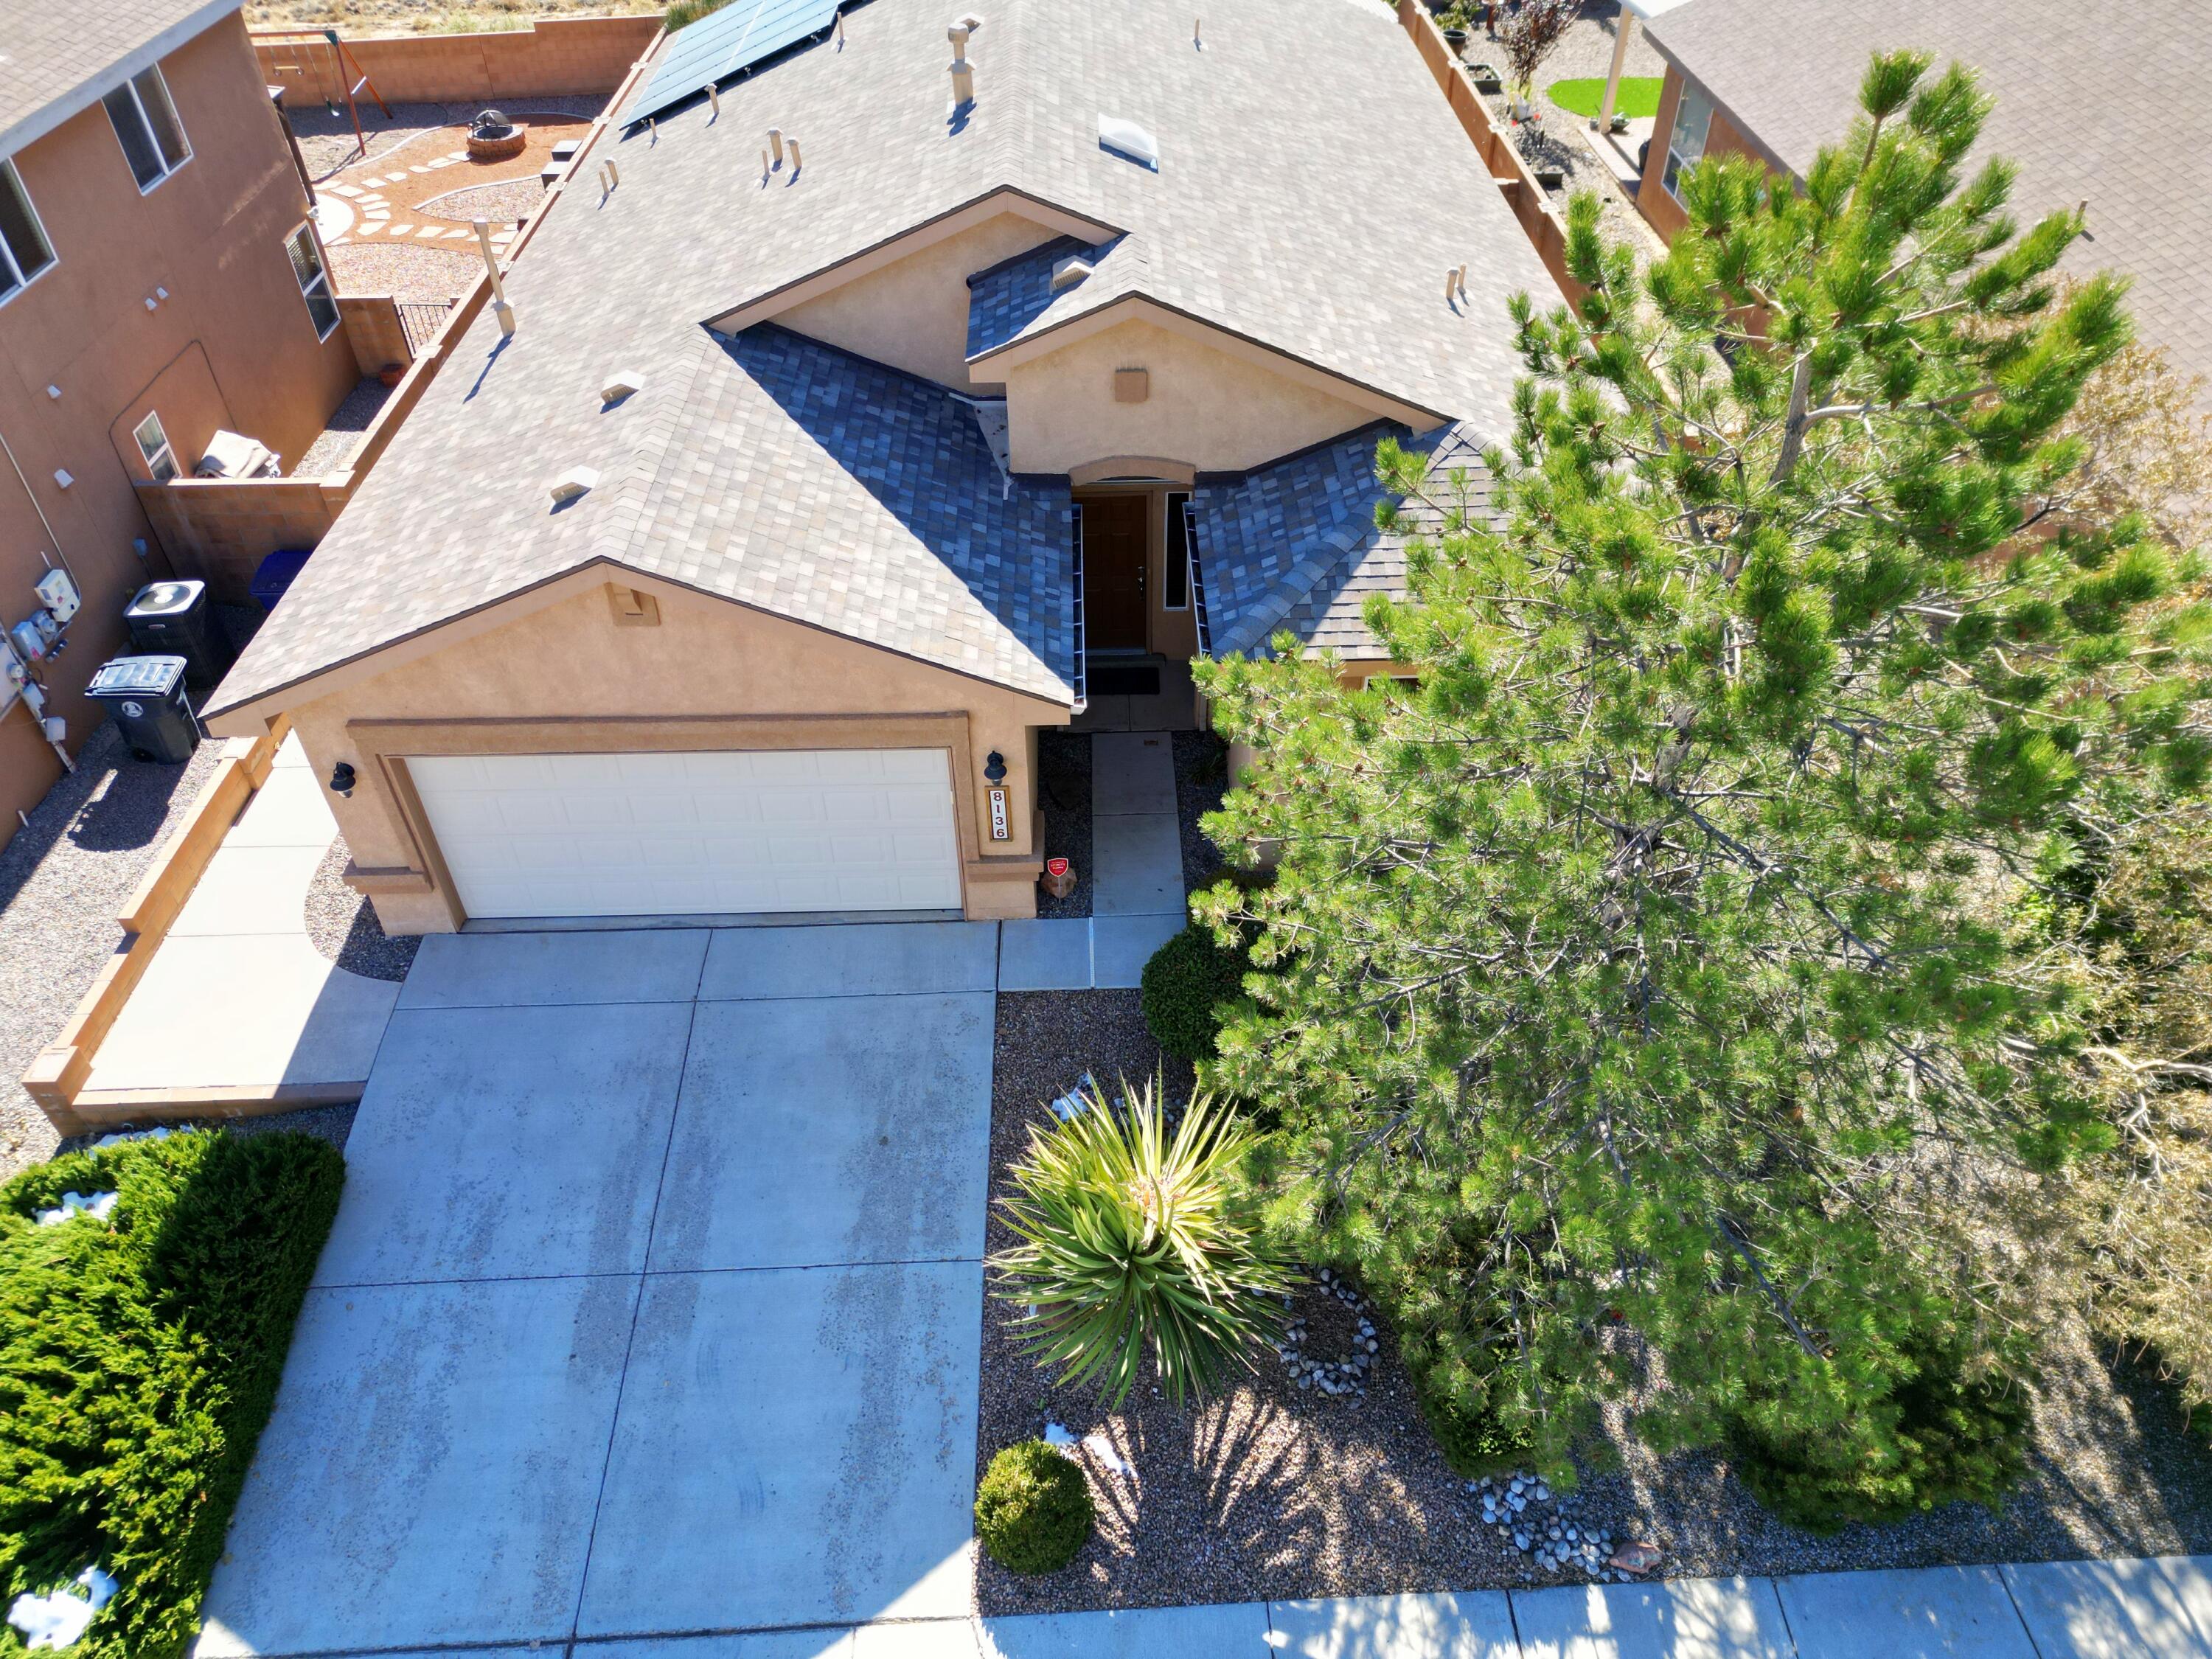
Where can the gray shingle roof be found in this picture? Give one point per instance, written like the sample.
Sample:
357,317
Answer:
1319,222
57,58
1295,545
2087,100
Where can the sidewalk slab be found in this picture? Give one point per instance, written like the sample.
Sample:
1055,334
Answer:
793,1448
1121,945
427,1476
1467,1625
1136,865
290,810
1232,1630
851,959
2110,1609
1053,955
494,1143
763,1644
1671,1619
251,889
510,970
837,1130
1904,1612
1132,772
243,1013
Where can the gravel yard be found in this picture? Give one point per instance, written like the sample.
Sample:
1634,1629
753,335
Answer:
342,924
62,881
502,202
1274,1491
1201,769
342,431
420,274
1064,791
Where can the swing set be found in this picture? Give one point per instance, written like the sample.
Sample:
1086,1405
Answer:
344,71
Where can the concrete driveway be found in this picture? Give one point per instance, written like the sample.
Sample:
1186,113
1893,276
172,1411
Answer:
653,1305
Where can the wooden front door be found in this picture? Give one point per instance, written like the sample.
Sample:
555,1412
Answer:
1114,559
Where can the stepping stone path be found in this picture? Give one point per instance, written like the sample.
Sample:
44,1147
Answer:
375,210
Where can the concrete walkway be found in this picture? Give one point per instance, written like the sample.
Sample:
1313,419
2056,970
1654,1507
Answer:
1137,899
238,1002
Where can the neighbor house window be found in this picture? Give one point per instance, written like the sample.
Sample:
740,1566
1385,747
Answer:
314,281
154,445
1686,139
146,127
1175,591
24,250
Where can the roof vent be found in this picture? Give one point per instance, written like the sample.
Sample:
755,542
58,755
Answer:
1127,138
572,483
963,72
623,383
1067,273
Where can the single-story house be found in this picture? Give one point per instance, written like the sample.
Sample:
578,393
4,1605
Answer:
859,413
2087,104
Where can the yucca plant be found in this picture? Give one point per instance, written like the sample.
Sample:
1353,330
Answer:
1136,1237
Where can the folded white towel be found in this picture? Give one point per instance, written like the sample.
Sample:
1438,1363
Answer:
56,1619
98,1207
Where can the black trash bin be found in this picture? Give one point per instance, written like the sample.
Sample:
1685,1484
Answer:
174,619
148,696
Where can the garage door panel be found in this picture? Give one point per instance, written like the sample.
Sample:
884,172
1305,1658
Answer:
706,832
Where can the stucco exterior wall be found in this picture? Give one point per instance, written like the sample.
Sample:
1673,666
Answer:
1204,408
553,55
913,313
1660,209
231,346
559,673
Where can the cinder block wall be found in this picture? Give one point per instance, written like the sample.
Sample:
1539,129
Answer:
554,57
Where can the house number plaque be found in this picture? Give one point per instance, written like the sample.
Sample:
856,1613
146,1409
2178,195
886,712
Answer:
998,814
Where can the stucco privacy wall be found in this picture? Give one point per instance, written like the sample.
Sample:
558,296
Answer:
1203,407
564,674
913,313
551,55
231,346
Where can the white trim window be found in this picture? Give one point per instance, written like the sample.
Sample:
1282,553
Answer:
314,280
1686,139
154,445
25,252
1174,590
146,127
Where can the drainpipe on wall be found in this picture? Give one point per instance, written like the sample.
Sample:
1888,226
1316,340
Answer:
292,139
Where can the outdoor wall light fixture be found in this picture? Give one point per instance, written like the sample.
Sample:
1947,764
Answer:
995,767
341,778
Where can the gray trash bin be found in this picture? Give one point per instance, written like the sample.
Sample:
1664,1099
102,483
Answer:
147,695
175,619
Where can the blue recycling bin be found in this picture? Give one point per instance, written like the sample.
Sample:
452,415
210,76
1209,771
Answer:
275,573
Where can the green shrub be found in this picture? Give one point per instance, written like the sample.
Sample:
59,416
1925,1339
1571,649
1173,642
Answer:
1940,1438
1133,1238
1186,980
1476,1441
685,13
138,1361
1033,1510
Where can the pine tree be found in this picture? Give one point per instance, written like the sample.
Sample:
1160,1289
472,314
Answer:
1626,977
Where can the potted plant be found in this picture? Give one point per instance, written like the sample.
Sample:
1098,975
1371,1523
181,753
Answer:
1529,36
1456,19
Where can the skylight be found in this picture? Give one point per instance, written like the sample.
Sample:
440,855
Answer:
1129,140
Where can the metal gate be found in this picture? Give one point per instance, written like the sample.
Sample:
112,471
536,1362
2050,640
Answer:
420,321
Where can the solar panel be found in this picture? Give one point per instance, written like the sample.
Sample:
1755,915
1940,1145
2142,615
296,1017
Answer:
724,42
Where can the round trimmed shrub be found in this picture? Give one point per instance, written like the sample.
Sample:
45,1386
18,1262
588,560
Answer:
1940,1438
1033,1510
1187,978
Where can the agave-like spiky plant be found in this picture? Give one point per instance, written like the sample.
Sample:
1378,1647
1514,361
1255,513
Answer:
1136,1237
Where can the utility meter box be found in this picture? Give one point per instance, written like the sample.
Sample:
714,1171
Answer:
57,593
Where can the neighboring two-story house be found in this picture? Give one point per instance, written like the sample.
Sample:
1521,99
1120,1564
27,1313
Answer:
159,280
856,418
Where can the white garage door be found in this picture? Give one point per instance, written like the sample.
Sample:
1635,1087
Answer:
709,834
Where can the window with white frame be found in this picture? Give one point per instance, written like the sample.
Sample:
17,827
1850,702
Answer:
146,127
24,250
1686,139
154,445
1175,591
314,281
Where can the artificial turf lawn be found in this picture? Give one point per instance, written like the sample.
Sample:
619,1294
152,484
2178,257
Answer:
1638,96
139,1358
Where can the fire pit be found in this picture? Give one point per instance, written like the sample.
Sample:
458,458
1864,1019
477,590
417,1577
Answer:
493,138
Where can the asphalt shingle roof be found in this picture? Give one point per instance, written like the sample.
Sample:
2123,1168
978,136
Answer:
1313,187
2092,103
57,58
1295,545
